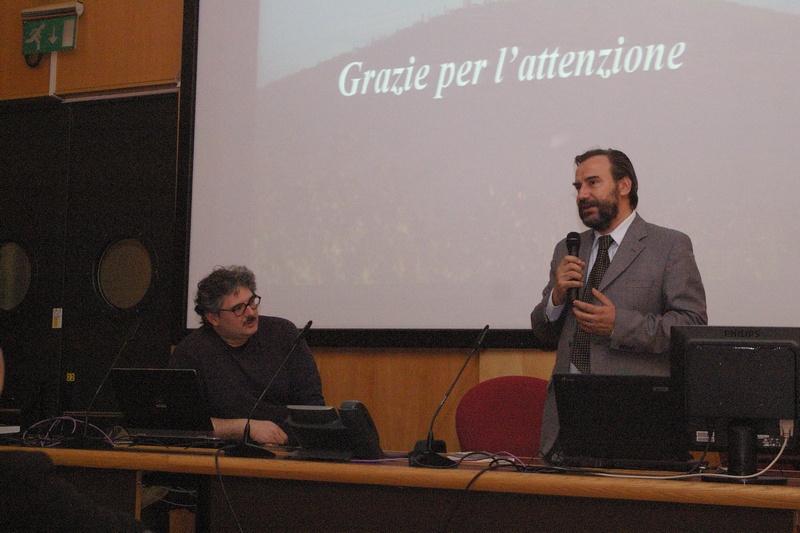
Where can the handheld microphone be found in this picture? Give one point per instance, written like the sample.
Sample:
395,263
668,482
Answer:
82,441
573,248
425,453
245,447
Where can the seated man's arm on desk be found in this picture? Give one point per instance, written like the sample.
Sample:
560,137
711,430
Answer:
261,431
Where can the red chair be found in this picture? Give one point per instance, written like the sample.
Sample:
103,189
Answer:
502,414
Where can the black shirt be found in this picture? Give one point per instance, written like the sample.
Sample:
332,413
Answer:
232,378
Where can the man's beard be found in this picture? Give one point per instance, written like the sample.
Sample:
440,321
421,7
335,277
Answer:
607,211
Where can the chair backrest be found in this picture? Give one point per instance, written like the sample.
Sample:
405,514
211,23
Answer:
502,414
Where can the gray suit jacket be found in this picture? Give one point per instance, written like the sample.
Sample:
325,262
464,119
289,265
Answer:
654,283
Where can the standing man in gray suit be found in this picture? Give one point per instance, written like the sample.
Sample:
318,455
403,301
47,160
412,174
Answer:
651,284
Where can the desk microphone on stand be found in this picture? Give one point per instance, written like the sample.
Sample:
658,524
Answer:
425,453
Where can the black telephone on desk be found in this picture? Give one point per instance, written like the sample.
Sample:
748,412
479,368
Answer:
326,434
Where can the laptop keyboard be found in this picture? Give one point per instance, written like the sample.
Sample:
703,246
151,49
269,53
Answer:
631,464
171,437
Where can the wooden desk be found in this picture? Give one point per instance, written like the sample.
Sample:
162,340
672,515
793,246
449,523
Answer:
284,494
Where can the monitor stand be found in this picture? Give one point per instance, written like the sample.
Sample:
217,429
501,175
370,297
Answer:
742,444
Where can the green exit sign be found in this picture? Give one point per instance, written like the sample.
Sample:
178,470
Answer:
49,34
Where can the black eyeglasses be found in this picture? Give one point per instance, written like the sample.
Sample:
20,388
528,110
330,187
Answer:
252,303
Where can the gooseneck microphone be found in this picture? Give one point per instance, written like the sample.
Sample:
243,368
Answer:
245,447
425,453
573,248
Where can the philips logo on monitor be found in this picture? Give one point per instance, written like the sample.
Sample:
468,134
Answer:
742,334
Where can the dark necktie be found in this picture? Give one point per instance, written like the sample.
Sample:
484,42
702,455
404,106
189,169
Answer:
580,344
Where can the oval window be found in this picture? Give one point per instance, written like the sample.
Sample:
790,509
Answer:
15,275
125,273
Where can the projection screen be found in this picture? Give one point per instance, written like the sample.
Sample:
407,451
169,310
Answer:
383,164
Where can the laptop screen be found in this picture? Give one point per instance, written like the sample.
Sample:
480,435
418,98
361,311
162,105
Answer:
606,418
160,398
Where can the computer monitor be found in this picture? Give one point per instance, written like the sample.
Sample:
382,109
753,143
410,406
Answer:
740,390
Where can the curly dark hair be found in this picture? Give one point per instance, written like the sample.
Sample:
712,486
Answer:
220,283
621,166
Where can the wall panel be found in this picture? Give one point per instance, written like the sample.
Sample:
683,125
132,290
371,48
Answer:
123,44
34,159
119,44
122,184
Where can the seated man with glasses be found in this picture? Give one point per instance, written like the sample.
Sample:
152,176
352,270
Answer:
237,353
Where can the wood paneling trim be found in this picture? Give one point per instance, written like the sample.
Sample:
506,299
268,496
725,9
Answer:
123,44
507,481
401,389
536,363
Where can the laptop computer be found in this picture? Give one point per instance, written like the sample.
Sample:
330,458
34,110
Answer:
162,406
620,422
